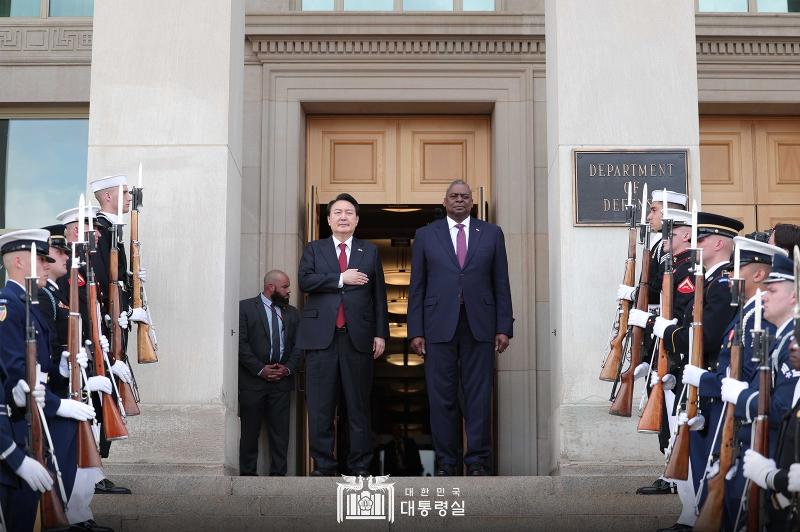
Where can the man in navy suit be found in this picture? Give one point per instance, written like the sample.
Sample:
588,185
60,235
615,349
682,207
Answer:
459,315
343,327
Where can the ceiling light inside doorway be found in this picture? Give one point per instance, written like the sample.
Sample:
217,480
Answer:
399,277
400,209
398,330
398,306
397,359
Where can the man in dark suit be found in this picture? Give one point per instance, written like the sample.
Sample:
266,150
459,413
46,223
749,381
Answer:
459,315
401,455
344,326
268,360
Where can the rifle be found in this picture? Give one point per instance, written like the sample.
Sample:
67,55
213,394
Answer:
678,464
113,424
760,429
126,392
710,518
146,343
52,507
88,455
613,361
653,414
622,405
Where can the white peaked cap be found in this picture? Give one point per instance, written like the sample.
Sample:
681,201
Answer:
71,215
672,197
757,251
680,217
111,181
22,239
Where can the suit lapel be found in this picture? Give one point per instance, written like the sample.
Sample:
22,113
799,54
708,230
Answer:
443,232
356,253
262,315
330,253
475,235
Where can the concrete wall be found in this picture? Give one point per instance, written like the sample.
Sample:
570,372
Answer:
619,75
177,108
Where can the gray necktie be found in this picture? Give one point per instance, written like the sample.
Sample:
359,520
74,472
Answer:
275,354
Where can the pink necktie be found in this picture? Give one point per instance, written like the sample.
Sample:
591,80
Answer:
461,245
340,319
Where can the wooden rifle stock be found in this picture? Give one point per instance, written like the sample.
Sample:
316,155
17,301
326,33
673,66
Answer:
613,361
146,350
760,427
678,465
653,414
622,405
50,505
710,518
117,352
113,425
88,455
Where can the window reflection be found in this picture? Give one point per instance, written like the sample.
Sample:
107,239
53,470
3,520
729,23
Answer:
428,5
317,5
723,6
369,5
19,8
44,171
71,8
779,6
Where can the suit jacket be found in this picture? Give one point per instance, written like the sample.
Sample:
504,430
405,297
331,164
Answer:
437,280
255,345
364,306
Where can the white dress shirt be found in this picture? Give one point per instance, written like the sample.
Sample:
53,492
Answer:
454,231
348,246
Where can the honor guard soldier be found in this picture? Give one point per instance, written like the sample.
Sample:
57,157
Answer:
656,260
95,383
779,306
60,414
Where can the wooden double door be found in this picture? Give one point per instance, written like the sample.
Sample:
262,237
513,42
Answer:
750,169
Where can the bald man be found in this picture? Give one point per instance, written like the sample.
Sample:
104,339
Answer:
268,360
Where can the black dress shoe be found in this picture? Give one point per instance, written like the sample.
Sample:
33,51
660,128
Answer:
446,471
476,470
659,487
90,525
106,487
673,528
321,473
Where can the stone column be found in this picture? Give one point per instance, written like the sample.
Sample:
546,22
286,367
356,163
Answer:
167,90
620,74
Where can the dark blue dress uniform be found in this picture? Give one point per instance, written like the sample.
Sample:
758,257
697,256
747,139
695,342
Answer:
12,352
784,380
11,450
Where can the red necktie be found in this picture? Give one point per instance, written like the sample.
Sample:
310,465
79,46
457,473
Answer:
340,319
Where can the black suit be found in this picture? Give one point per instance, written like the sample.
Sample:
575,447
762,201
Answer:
346,353
256,395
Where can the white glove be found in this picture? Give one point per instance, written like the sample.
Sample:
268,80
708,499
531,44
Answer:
82,358
794,477
638,318
121,370
98,384
123,320
38,394
641,370
692,374
759,468
697,422
72,409
18,393
661,325
731,388
626,292
139,315
143,276
653,378
669,381
35,474
104,345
